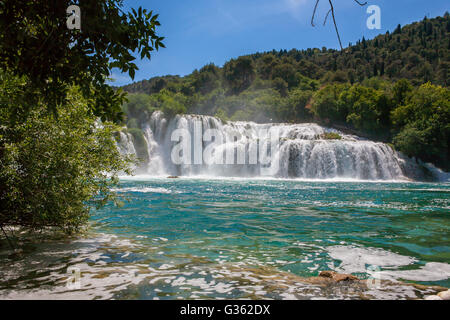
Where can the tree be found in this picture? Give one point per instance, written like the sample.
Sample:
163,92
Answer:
266,65
207,79
35,41
239,73
286,72
426,118
411,141
51,167
295,106
280,85
137,105
400,91
326,103
54,163
368,108
169,104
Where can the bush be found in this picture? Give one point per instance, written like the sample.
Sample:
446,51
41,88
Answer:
53,169
137,104
281,86
239,73
132,123
169,103
368,109
411,141
330,136
426,118
294,107
326,103
221,115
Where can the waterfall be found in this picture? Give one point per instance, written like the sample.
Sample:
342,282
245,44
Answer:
125,143
301,151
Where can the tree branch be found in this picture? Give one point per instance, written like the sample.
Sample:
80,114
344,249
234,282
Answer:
326,17
361,4
334,18
314,13
335,25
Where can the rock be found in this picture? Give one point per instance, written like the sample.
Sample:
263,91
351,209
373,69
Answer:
433,298
172,177
337,276
326,274
444,295
423,287
344,277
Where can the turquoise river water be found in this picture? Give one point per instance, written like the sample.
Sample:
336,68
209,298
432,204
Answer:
194,238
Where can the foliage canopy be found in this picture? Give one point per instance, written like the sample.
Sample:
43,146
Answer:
35,41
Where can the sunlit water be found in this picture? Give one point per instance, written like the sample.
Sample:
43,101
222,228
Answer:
252,239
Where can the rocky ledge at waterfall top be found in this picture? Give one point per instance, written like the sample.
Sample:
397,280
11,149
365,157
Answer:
305,151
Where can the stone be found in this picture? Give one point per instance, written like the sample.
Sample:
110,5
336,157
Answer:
338,277
433,298
172,177
444,295
326,274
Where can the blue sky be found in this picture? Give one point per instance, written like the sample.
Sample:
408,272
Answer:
199,32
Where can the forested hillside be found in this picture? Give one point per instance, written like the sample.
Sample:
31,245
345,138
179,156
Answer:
392,88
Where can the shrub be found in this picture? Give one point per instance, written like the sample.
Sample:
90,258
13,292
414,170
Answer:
132,123
53,169
221,115
330,136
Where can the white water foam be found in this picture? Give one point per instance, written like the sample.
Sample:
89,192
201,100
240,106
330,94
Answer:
143,190
357,260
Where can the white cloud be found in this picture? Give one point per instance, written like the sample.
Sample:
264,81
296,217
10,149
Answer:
228,16
296,3
297,8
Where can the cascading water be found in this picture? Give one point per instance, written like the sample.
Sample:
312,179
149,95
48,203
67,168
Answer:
302,151
125,143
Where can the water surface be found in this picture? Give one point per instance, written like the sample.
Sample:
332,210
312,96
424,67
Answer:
238,238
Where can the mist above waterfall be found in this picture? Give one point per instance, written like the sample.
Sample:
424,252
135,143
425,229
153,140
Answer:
306,151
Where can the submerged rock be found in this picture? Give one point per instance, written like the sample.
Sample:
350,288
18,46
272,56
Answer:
337,276
444,295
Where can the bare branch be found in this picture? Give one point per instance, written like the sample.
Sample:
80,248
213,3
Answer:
334,18
361,4
314,13
326,17
335,25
